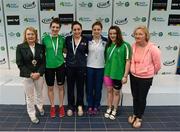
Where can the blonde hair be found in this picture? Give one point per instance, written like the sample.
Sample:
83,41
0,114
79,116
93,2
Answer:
144,29
30,29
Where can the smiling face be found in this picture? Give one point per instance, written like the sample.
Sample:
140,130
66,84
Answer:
113,35
96,31
77,30
30,36
140,36
55,28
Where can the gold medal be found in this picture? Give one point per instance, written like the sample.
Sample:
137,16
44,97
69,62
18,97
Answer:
34,62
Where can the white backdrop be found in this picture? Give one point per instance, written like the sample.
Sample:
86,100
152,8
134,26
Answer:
3,49
127,14
19,14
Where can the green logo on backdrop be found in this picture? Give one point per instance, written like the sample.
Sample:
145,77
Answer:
174,34
2,48
66,4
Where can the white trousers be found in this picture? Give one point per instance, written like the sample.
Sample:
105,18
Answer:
33,91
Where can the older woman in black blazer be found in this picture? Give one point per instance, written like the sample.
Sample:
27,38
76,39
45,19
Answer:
30,59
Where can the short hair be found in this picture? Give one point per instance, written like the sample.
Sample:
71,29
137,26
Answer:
76,23
145,30
55,20
30,29
98,23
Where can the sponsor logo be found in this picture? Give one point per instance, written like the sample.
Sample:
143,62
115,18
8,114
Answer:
13,20
138,19
85,19
175,5
29,19
121,4
121,21
83,4
164,73
173,33
169,63
65,4
169,47
103,4
155,34
159,5
66,18
47,5
174,20
16,34
140,4
12,5
3,61
2,48
29,5
175,48
158,19
12,47
106,20
47,20
45,34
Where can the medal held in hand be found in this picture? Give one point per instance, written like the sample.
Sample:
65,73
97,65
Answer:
34,62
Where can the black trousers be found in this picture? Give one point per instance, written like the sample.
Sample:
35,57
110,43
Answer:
75,79
139,90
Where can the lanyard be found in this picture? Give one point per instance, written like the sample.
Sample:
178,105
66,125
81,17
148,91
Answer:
111,52
75,48
55,48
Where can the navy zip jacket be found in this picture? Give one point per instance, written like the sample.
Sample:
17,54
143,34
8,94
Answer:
79,59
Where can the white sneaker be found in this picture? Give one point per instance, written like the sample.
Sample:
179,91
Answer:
34,120
80,111
108,111
112,116
69,112
41,112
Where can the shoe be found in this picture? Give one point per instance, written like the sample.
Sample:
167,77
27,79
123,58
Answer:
95,111
52,112
41,112
107,114
112,116
131,119
34,120
90,111
69,112
137,123
80,111
61,111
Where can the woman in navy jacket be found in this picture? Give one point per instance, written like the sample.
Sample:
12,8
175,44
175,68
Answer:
76,59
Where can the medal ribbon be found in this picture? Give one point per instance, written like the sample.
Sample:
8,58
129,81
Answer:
75,48
55,48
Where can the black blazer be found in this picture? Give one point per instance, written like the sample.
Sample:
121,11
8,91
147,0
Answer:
80,58
24,57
